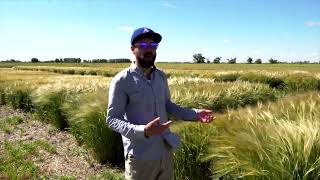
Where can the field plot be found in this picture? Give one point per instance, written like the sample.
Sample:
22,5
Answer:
267,126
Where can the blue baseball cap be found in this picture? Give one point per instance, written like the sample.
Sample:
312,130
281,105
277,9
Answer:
144,32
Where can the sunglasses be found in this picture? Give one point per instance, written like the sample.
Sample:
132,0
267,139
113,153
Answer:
144,45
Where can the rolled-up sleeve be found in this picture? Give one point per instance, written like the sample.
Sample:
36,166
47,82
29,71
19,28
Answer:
116,110
176,110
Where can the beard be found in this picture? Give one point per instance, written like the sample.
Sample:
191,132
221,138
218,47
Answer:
146,62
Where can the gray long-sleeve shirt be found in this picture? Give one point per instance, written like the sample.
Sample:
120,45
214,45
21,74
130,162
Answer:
133,102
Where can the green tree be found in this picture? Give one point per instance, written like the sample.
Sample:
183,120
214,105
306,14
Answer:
232,61
217,60
273,61
34,60
249,60
198,58
258,61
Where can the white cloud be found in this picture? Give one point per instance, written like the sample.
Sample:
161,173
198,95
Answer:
169,5
314,54
125,28
313,23
226,41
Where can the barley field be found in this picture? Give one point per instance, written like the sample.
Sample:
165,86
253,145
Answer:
267,125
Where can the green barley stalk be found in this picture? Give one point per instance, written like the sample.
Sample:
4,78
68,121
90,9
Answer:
280,141
87,121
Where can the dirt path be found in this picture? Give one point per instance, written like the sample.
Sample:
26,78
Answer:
68,159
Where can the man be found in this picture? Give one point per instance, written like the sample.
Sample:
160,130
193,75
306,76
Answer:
139,100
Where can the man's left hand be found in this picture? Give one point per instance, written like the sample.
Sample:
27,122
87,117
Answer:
205,116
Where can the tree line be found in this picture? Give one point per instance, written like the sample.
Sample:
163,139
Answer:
75,60
199,58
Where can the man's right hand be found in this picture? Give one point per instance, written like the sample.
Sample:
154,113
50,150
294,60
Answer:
155,128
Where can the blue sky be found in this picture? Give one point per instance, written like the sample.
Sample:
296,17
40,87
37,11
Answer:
288,30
